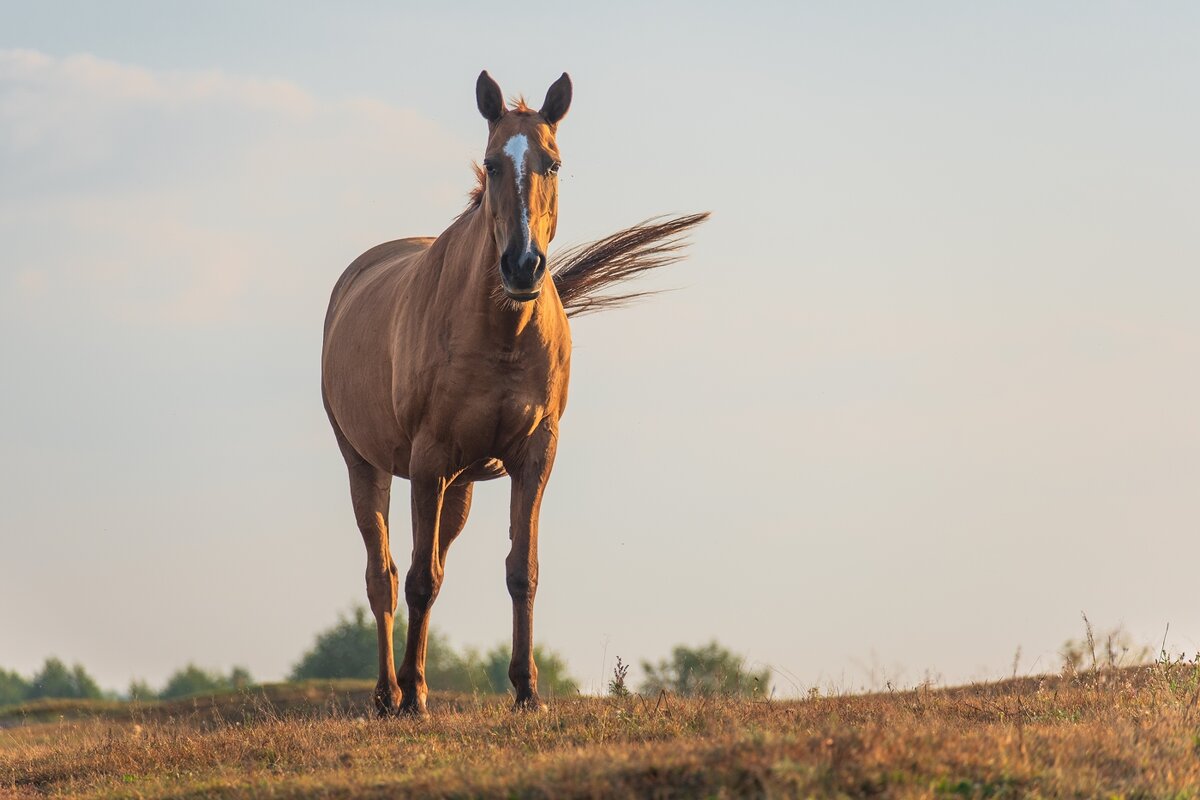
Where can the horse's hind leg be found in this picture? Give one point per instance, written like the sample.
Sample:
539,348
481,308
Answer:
370,490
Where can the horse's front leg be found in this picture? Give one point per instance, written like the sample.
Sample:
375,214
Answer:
421,585
529,476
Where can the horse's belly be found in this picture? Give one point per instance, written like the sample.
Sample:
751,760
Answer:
366,420
357,359
357,382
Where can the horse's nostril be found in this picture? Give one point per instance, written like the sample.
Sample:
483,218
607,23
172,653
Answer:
531,262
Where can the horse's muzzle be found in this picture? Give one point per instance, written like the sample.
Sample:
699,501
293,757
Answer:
522,273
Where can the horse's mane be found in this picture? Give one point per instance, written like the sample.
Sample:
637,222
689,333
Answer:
582,272
475,196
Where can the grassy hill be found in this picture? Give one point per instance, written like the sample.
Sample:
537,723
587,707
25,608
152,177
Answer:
1130,733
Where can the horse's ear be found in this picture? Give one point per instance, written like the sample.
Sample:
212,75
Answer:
489,98
558,100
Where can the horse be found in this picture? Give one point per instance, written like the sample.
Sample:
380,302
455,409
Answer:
446,361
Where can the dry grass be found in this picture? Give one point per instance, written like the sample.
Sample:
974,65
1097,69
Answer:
1131,733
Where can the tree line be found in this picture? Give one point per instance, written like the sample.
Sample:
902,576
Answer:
348,650
56,680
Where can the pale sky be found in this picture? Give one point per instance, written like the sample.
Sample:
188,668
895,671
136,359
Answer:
927,390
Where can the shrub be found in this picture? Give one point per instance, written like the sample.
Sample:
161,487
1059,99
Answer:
193,680
705,670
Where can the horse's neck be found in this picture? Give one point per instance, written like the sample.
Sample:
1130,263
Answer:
469,273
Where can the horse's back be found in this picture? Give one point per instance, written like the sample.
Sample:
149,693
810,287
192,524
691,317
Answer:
389,257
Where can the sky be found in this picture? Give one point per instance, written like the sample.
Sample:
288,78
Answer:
924,391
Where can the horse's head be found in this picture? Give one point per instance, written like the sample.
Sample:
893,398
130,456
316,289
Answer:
521,194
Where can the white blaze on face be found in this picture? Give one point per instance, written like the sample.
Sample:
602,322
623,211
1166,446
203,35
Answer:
516,148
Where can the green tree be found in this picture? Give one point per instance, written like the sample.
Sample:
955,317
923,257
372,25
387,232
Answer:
13,688
55,680
140,690
349,650
705,670
239,678
193,680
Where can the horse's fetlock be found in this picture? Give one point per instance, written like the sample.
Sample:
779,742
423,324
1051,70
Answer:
522,672
419,597
421,588
521,585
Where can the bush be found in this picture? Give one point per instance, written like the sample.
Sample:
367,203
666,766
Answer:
192,680
140,690
702,671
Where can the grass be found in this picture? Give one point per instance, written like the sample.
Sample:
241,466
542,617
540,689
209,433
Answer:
1110,733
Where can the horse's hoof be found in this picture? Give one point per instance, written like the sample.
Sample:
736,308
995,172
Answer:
531,704
413,711
386,702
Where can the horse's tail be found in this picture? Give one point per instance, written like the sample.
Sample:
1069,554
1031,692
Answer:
582,272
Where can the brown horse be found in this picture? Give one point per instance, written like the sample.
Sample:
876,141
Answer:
446,361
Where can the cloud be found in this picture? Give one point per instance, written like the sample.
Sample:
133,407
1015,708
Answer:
163,198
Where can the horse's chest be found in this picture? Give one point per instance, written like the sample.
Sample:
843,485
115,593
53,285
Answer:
501,415
502,407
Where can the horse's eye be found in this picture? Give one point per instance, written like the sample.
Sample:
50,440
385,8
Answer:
555,167
490,167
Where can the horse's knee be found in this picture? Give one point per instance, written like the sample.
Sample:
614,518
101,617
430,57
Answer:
382,585
421,587
371,522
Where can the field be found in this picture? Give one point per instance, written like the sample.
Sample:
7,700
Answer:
1115,733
